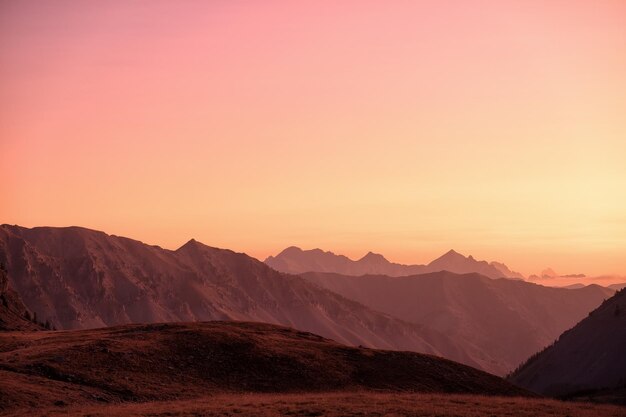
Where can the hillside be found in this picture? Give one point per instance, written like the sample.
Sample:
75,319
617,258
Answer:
80,278
588,359
294,260
499,323
137,363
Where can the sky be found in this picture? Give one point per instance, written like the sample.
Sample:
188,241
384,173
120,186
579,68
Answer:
497,128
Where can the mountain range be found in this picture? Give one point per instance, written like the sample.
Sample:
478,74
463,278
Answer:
79,279
294,260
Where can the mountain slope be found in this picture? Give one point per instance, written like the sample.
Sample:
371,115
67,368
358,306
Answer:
13,314
294,260
499,323
80,278
590,356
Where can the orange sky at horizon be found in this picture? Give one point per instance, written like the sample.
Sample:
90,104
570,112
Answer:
496,128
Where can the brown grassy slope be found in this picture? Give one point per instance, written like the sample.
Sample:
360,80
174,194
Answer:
170,361
590,356
344,404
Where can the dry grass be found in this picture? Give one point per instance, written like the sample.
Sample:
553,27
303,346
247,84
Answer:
143,363
341,404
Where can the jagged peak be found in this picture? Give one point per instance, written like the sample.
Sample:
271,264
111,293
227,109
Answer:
452,254
191,243
373,257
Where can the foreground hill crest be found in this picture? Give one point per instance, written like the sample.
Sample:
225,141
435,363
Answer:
141,363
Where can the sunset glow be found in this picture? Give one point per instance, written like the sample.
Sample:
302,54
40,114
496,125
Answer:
497,128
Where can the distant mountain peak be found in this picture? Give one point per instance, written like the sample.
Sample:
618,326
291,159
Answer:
294,260
450,256
506,271
290,251
372,257
191,243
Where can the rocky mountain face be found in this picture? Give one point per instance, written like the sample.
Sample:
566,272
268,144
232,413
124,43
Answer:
294,260
13,314
498,322
587,360
80,278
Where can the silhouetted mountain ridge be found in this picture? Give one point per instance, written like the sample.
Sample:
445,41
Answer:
294,260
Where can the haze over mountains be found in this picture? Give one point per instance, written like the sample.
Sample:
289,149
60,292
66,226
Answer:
499,322
296,261
589,359
551,278
79,278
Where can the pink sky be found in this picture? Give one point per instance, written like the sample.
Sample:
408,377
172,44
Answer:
497,128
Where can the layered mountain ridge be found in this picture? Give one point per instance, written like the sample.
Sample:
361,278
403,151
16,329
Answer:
80,278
